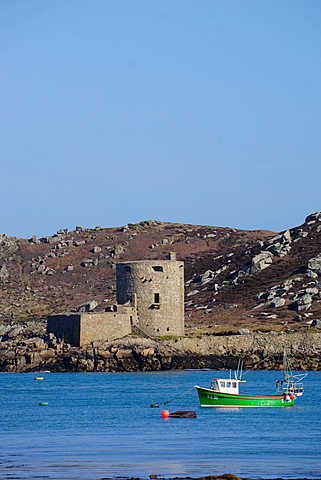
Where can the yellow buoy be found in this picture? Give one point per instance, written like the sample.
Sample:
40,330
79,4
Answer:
38,378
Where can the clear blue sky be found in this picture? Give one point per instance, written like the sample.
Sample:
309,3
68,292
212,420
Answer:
190,111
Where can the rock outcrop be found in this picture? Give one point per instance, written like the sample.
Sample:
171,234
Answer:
259,351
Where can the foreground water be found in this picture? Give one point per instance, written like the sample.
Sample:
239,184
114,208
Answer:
99,425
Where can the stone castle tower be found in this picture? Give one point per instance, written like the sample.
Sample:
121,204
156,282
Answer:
150,299
156,289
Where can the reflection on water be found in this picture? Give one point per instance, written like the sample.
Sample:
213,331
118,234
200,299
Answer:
229,409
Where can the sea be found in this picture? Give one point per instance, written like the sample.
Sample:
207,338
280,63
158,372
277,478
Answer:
101,425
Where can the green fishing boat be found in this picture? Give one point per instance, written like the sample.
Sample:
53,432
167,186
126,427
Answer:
224,392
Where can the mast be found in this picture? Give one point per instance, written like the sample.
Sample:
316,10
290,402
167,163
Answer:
285,365
292,382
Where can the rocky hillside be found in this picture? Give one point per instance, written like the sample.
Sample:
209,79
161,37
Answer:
235,279
237,282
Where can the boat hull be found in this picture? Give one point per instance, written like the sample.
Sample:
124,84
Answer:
211,398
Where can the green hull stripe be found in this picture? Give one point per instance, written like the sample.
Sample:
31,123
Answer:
210,398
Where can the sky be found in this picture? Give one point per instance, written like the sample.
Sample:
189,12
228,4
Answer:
205,112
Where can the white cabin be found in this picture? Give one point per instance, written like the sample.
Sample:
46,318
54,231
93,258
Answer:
226,385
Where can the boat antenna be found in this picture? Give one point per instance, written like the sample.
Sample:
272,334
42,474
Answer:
238,374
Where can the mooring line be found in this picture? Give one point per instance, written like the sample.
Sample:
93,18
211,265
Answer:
168,401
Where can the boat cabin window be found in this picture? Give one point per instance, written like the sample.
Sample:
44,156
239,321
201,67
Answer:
225,386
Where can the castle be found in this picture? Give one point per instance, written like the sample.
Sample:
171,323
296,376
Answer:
150,301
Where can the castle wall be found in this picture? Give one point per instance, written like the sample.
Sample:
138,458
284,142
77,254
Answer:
66,327
104,326
150,299
159,289
84,328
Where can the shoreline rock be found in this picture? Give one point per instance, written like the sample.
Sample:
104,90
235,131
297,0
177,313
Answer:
262,351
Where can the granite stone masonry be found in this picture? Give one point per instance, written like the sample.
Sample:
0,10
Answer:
159,290
150,301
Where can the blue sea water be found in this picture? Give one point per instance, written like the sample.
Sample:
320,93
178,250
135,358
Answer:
101,425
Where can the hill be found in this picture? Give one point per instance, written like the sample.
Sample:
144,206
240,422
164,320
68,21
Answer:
235,279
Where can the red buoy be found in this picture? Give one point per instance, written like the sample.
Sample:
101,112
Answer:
165,413
292,396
